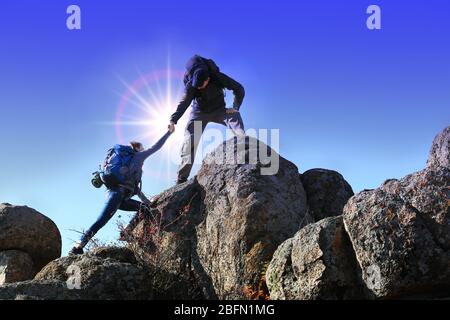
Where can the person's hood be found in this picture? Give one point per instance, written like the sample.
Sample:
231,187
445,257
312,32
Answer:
199,77
195,63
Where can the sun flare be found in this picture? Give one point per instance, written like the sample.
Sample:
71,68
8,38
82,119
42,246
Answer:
146,106
143,114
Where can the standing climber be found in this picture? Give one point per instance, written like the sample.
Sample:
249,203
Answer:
205,85
121,174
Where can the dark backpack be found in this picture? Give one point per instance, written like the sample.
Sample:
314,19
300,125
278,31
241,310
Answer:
116,167
200,62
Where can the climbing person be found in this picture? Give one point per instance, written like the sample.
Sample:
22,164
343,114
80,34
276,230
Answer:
121,173
205,85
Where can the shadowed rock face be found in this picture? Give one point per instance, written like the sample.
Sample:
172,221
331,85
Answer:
401,231
327,193
247,216
104,273
25,229
401,234
317,263
15,266
39,290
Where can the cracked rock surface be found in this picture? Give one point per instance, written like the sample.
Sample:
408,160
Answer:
401,231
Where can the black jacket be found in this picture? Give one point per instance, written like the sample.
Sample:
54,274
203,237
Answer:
212,97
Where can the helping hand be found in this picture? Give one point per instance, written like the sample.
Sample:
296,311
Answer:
171,127
231,110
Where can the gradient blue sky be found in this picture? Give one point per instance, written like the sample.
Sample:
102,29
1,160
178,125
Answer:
364,103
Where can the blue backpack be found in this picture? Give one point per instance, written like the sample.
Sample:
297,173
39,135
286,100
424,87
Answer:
116,167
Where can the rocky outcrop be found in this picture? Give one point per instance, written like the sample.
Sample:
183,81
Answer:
401,231
40,290
395,244
327,193
233,232
163,237
231,218
105,273
317,263
401,234
15,266
24,229
440,150
247,216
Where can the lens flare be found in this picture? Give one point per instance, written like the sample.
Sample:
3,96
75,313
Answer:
144,112
145,107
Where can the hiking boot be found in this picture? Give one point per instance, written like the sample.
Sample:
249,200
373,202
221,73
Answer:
76,251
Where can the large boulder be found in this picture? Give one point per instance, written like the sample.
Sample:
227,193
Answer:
229,220
401,234
166,238
247,216
40,290
104,273
440,150
25,229
317,263
15,266
327,193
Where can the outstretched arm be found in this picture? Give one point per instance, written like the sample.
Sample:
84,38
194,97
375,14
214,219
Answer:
185,102
158,145
236,87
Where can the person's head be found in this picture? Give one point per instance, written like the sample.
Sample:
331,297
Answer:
137,146
200,79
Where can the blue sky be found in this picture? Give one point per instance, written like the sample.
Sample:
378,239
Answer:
364,103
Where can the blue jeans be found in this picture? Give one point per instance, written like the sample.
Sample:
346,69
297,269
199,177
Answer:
116,200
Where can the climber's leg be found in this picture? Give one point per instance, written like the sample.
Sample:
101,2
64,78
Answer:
192,135
112,204
131,205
